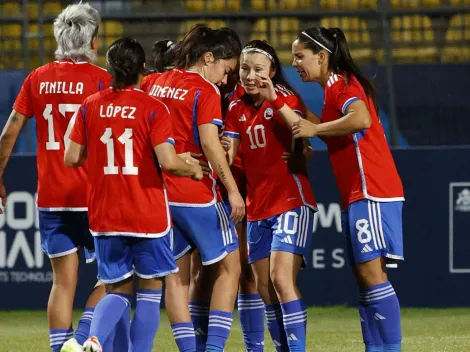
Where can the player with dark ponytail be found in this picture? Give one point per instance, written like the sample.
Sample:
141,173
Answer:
205,59
119,130
371,190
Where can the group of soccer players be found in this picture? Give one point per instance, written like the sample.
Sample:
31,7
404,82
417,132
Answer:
158,167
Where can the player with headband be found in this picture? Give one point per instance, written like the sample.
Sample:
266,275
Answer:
280,203
371,190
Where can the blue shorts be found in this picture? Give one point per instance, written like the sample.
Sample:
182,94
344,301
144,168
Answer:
209,229
291,231
229,209
64,232
119,256
373,230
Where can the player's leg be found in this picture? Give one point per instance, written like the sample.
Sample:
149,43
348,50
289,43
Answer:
259,238
115,269
83,328
153,260
292,240
98,292
200,292
375,236
177,285
215,237
250,304
59,242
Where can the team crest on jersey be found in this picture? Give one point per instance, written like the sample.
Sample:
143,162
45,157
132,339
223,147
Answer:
268,114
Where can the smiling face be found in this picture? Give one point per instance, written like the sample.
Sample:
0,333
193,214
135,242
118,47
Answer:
216,71
307,64
252,64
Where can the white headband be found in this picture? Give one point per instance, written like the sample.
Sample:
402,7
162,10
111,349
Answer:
169,43
317,42
250,50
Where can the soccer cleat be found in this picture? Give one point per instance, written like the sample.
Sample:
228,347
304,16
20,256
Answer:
92,345
71,346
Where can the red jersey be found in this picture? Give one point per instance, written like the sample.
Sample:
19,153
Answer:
147,81
272,188
362,162
53,94
193,101
120,130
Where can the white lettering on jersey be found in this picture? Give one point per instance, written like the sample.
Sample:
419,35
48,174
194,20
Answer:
125,112
61,88
168,92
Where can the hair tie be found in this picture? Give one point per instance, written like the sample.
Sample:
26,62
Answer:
170,43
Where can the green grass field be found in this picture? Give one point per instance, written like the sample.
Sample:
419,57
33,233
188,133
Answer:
329,330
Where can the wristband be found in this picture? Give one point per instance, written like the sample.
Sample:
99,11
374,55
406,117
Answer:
278,103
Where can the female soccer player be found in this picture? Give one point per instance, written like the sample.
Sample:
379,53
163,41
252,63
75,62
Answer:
280,203
53,93
118,130
250,305
201,221
371,190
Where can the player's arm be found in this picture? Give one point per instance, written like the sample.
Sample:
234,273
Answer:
231,139
356,118
75,154
267,90
9,135
231,145
175,164
210,143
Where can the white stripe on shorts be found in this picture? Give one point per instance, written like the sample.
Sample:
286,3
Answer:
379,216
371,223
300,231
227,221
308,213
223,223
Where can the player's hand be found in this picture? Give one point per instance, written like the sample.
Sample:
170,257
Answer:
304,129
193,159
3,195
295,161
238,206
226,143
265,87
198,174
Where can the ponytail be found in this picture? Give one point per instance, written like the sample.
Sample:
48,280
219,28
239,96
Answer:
334,42
125,61
223,43
164,54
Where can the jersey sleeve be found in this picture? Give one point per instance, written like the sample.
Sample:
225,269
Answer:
231,123
341,94
24,102
161,128
295,104
209,108
78,134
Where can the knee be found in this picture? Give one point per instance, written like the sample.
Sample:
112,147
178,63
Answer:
281,280
230,266
371,273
